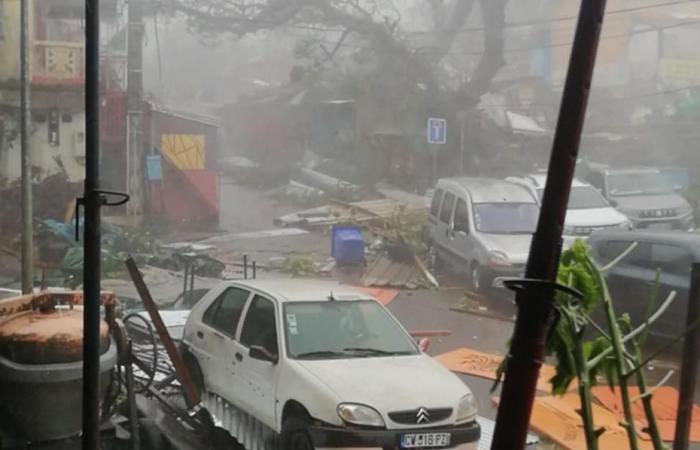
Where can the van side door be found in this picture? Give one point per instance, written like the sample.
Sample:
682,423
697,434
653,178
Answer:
444,223
461,232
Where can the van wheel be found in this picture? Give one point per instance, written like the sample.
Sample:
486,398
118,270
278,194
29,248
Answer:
295,435
476,277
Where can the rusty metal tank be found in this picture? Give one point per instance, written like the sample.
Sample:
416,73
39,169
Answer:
41,340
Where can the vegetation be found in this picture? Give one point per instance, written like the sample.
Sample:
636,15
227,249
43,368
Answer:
589,353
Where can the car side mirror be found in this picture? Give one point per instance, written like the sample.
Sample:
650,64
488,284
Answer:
612,202
262,354
461,228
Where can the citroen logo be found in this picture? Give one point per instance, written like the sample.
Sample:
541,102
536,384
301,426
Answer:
422,416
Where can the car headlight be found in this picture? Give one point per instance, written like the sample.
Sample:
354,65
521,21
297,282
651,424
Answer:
497,258
626,225
467,410
360,415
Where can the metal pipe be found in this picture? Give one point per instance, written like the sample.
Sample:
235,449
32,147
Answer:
255,270
192,396
91,239
689,364
27,207
535,303
245,267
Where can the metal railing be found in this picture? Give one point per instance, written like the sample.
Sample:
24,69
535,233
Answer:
59,63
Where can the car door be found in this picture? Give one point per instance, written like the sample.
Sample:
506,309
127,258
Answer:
214,337
630,280
258,378
461,231
673,263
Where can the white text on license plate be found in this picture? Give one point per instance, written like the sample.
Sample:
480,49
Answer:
425,440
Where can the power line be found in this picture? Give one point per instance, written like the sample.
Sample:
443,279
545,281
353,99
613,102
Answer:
557,19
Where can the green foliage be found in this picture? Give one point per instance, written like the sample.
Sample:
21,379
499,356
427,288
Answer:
298,266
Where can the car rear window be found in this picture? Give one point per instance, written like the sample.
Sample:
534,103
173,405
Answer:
671,259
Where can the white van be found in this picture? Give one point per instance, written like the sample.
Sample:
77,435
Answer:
482,225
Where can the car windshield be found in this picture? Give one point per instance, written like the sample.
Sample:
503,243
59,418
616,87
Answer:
638,183
343,329
506,218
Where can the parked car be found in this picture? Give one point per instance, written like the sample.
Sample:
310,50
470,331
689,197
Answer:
588,210
482,225
310,364
632,280
645,196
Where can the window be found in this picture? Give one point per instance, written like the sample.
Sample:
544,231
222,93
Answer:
671,259
586,197
506,218
435,203
461,215
259,327
343,329
225,312
639,257
447,204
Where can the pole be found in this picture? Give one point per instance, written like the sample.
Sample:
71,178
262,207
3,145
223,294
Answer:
689,364
134,90
91,239
27,207
462,118
535,302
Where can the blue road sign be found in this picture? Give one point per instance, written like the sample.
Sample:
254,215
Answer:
437,130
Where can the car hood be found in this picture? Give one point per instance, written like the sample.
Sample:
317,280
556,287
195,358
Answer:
515,246
644,202
594,217
390,383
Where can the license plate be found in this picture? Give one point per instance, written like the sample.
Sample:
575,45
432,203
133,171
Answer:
420,440
663,226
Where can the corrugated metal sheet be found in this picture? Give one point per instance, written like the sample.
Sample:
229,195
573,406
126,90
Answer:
487,427
248,431
386,272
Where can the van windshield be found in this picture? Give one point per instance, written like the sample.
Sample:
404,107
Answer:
506,218
343,329
638,183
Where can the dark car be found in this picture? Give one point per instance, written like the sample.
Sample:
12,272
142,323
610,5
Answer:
632,280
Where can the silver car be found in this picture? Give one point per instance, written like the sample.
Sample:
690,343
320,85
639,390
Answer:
482,226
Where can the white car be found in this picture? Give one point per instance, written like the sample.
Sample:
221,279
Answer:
588,210
305,364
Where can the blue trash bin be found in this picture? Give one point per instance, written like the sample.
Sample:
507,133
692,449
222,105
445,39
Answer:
347,244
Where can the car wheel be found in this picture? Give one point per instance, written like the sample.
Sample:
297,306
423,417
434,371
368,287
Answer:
195,371
295,435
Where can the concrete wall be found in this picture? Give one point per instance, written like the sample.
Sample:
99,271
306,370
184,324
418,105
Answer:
47,159
9,38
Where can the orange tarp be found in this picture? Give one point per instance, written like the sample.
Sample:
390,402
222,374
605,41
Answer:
383,295
484,365
664,403
556,418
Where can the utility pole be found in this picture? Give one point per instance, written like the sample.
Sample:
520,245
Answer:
26,162
93,201
535,299
134,92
